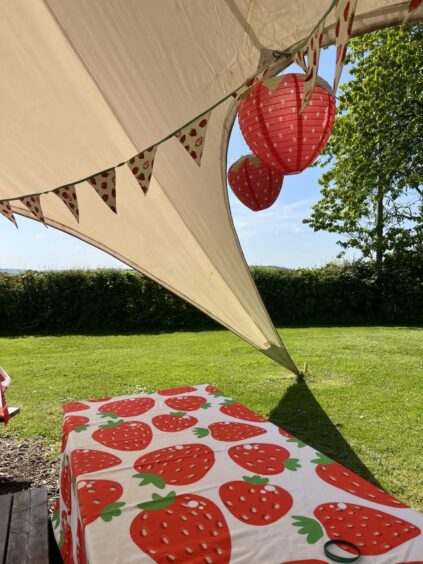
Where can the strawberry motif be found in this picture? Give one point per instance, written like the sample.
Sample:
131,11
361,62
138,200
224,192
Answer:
291,438
130,407
339,477
74,406
172,422
187,403
177,465
224,431
85,460
56,515
214,392
235,409
65,542
99,498
128,435
254,501
372,531
183,528
263,458
75,423
80,547
66,486
177,391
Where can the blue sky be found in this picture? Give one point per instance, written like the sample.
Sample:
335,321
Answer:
275,236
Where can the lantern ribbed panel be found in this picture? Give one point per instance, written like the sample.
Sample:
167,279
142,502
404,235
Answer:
255,184
274,129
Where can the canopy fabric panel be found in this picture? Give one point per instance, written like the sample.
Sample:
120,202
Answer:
87,85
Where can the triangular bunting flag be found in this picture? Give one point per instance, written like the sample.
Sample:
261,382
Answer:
104,184
313,57
299,58
34,206
412,7
244,90
68,195
6,210
142,167
344,17
193,136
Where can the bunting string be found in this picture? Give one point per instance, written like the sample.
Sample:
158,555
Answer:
192,135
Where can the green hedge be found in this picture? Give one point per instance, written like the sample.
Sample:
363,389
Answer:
114,300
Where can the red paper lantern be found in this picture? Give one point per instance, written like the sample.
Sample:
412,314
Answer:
254,183
274,129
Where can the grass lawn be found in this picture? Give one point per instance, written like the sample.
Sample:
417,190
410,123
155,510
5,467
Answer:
361,403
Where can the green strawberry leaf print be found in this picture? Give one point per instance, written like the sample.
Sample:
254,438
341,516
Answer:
200,432
154,479
110,415
56,519
61,539
158,502
309,527
322,459
110,424
228,402
112,510
300,444
205,405
81,428
178,413
292,464
255,480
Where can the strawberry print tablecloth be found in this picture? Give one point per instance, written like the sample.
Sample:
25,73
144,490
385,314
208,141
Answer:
189,475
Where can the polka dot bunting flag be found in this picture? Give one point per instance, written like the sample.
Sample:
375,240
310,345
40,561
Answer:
344,17
68,196
141,167
6,210
313,57
412,7
193,136
299,59
34,206
104,184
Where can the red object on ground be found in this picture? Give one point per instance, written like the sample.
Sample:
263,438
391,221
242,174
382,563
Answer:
254,183
274,129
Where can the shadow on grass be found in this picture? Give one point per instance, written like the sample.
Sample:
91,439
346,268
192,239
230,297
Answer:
299,413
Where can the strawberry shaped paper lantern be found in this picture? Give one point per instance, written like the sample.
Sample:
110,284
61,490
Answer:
254,183
276,131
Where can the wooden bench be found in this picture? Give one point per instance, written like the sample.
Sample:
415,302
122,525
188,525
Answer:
24,528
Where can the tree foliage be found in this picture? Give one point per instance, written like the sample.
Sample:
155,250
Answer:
372,185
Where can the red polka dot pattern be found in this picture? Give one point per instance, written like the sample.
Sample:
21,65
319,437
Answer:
193,137
344,17
274,129
68,196
313,57
104,184
6,210
255,184
34,206
142,167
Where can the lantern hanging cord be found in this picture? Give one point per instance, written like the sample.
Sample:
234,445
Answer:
276,54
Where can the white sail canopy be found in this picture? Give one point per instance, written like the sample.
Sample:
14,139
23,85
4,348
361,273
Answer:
87,85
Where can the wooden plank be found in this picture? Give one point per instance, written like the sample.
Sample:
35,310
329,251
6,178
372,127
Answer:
38,530
17,550
5,510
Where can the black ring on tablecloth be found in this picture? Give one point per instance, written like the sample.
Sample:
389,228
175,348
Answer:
342,559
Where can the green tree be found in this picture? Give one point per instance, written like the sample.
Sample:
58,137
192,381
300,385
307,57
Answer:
372,186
